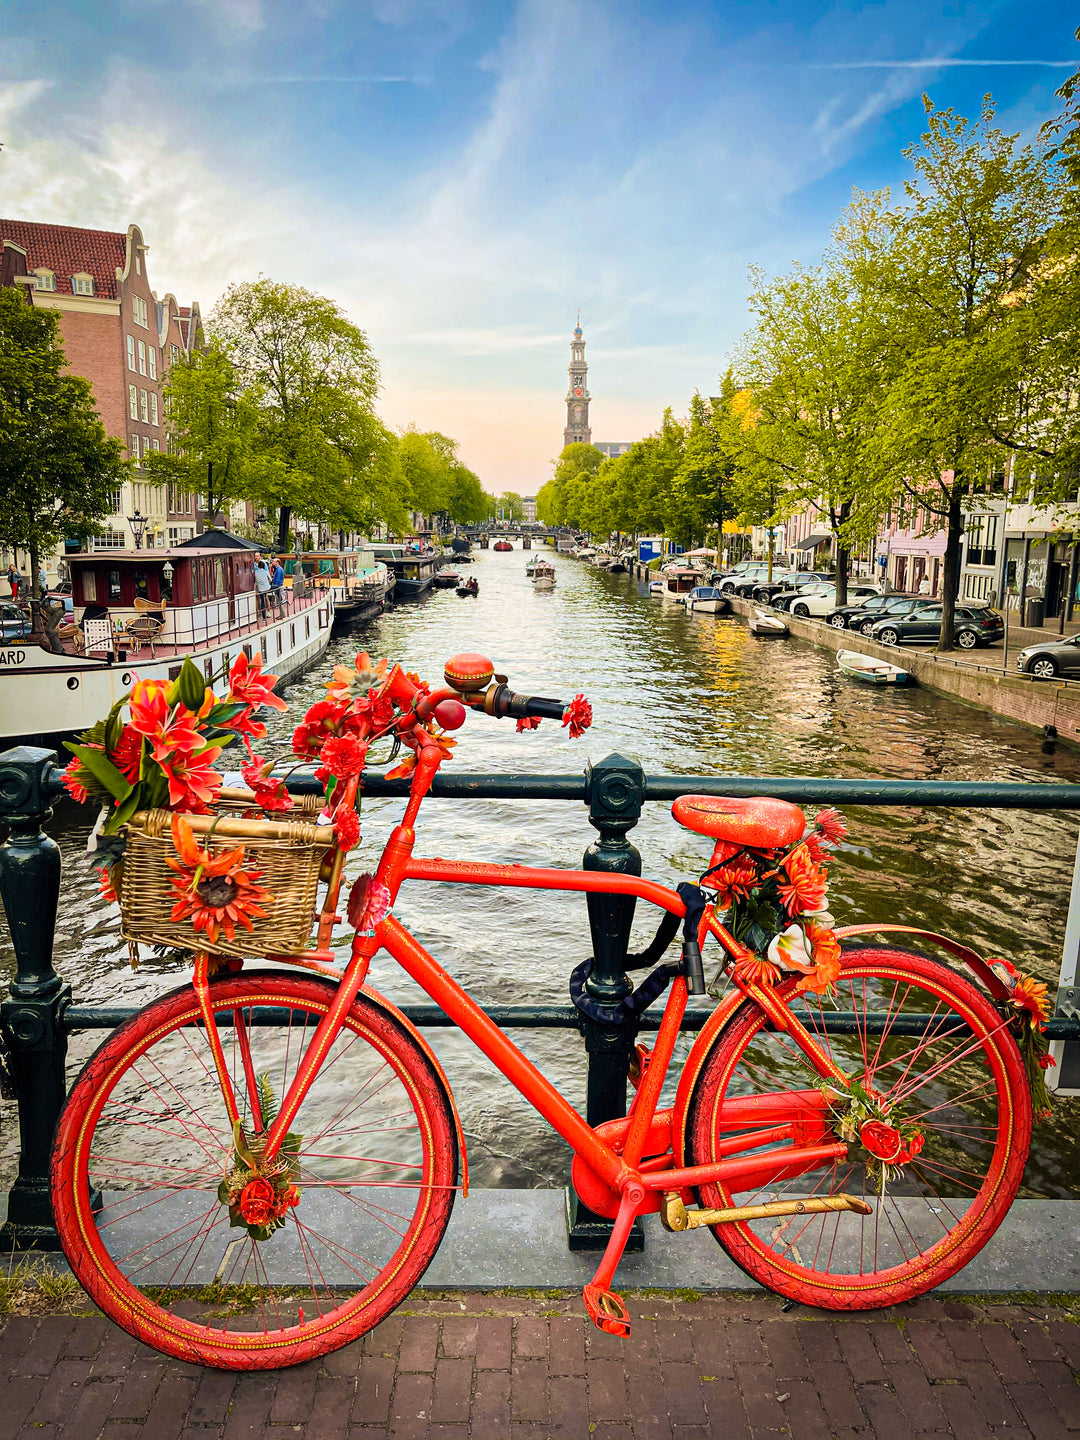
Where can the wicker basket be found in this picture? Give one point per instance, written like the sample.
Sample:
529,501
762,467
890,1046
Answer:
288,852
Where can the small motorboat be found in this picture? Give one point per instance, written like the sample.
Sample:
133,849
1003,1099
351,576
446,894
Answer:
533,563
471,587
446,579
678,582
871,671
502,545
543,576
709,598
762,623
656,587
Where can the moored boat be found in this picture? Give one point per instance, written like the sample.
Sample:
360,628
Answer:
359,580
708,598
871,671
446,579
762,623
502,545
678,582
413,575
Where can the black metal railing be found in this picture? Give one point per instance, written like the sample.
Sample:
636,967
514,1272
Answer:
39,1012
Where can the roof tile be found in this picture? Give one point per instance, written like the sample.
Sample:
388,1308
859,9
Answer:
69,251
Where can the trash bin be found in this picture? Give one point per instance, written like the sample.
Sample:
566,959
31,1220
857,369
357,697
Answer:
1035,611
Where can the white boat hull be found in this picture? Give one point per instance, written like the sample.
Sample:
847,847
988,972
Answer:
45,696
870,671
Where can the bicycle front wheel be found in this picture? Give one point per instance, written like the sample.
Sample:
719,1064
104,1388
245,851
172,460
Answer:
144,1143
941,1077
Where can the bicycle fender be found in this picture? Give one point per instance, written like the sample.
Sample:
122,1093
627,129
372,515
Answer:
981,969
406,1024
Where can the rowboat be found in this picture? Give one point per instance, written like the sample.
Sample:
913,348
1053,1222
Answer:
708,598
871,671
762,623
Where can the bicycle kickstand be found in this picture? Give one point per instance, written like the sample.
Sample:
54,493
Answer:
607,1310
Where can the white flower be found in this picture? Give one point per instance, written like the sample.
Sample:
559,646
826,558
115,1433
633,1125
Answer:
820,917
790,950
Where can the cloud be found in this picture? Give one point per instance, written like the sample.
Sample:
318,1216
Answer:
240,17
941,62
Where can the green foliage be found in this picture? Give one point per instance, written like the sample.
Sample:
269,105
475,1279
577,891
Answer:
57,465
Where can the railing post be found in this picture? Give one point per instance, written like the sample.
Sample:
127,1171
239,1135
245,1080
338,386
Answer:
31,1015
614,792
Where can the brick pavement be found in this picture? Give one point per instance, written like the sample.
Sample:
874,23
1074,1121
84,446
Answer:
483,1366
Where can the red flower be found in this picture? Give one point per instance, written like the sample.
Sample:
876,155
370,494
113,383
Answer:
831,824
257,1201
325,718
382,712
732,883
271,794
212,889
806,890
148,706
193,781
883,1142
369,903
71,778
816,850
1047,1062
578,716
1029,996
248,684
528,722
127,757
108,890
343,756
825,953
346,828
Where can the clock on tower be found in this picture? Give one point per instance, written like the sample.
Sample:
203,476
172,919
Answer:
577,430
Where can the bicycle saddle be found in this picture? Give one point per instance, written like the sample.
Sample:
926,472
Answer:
759,823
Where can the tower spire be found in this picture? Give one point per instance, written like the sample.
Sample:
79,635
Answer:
577,430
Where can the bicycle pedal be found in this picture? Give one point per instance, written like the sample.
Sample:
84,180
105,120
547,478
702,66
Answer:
607,1311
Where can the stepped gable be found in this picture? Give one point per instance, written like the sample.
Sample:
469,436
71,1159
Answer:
67,251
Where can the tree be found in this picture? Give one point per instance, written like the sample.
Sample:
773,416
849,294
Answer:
575,463
760,485
317,379
211,427
948,267
58,468
702,484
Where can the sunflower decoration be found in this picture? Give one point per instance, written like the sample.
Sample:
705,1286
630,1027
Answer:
1029,1007
214,891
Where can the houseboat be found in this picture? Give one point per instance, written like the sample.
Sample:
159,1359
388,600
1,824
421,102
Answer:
360,582
137,615
413,574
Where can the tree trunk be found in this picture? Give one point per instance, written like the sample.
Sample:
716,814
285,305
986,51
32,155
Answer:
842,566
36,626
284,516
951,578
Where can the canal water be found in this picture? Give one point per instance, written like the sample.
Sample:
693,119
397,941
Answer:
692,694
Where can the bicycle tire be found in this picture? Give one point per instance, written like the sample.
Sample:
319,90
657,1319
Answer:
873,1266
146,1118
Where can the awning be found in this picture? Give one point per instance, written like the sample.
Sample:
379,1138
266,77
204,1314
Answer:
813,540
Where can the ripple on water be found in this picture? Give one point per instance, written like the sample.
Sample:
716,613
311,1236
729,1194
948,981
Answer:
686,694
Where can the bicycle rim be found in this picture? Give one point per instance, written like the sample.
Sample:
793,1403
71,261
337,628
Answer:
144,1142
960,1086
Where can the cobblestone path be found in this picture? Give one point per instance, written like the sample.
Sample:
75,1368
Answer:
490,1366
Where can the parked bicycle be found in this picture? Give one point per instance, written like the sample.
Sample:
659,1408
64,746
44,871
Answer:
259,1166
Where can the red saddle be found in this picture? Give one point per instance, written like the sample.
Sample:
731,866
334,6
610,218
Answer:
757,822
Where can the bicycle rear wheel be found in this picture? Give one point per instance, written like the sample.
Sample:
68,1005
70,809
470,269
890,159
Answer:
144,1141
943,1067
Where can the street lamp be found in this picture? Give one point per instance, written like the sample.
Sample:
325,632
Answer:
138,523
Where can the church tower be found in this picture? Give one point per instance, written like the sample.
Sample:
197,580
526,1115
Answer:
577,430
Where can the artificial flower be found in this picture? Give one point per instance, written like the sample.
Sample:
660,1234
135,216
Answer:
578,716
249,686
789,950
323,719
257,1201
346,828
127,757
528,722
108,889
805,889
831,825
881,1140
148,706
753,970
1047,1062
817,849
176,734
271,794
213,890
74,778
193,781
343,756
381,712
1029,997
348,681
825,953
403,769
369,903
732,883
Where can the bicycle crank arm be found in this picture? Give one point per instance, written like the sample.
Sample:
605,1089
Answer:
675,1216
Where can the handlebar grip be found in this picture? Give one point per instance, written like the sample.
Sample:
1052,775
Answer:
501,701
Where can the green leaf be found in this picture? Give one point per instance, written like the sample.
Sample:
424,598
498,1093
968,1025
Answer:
223,1192
226,711
103,770
114,726
124,811
191,684
267,1099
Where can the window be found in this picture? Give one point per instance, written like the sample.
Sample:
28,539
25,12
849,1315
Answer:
116,500
144,405
110,540
133,448
82,284
982,539
44,280
133,401
138,310
142,358
174,354
153,405
131,352
89,586
152,357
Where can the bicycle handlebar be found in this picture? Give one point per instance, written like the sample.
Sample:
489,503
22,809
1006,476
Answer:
501,701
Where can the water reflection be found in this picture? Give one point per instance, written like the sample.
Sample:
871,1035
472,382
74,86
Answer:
690,694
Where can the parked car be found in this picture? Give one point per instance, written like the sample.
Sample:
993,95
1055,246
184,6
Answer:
755,570
1051,657
818,600
872,608
15,623
972,625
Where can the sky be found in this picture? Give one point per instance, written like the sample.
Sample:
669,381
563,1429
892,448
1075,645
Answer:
462,177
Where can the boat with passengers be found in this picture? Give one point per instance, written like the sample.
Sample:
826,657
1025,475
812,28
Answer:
361,583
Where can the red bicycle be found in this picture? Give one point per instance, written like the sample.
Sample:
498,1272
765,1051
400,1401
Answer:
852,1126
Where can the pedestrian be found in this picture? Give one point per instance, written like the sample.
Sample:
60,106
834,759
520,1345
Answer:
13,581
924,585
277,585
43,581
262,584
